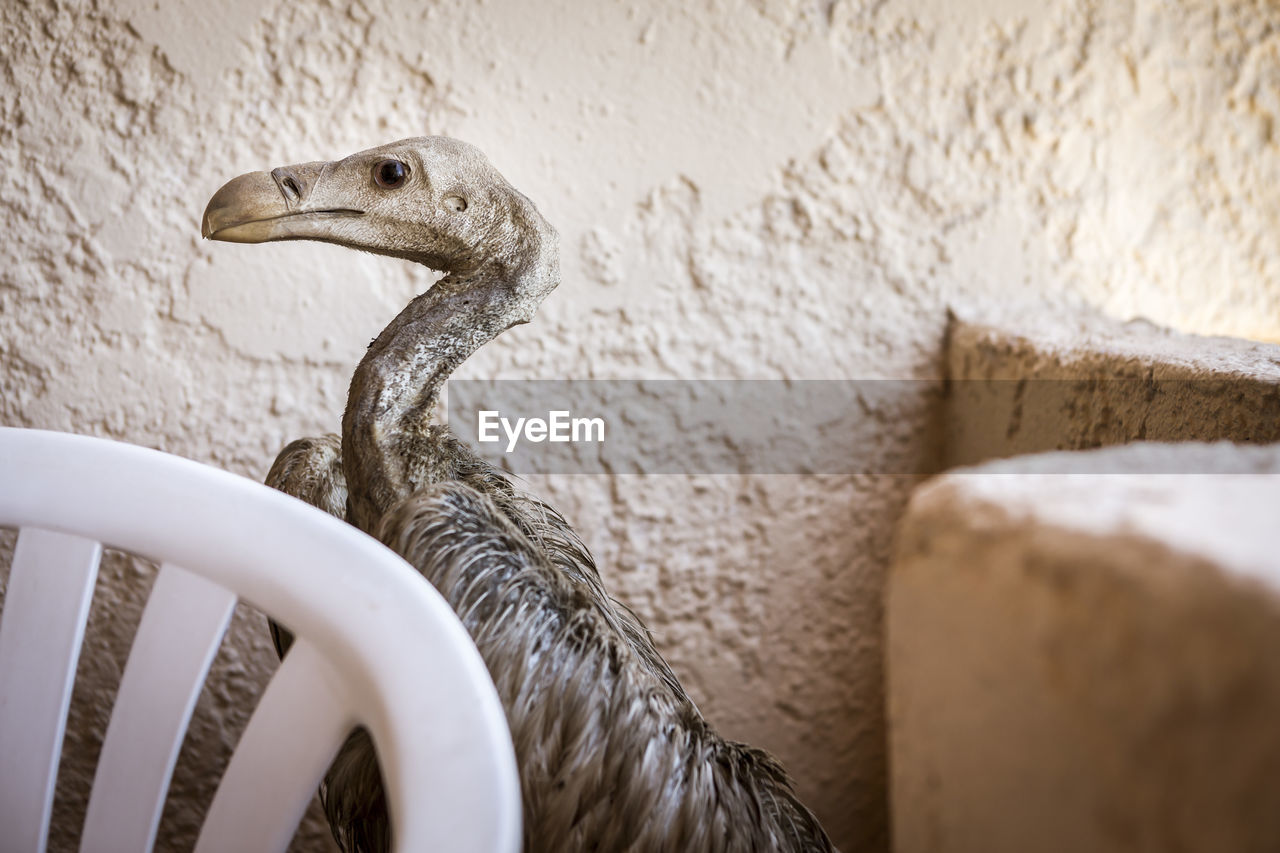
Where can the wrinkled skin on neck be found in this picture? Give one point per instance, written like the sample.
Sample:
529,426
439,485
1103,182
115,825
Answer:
388,445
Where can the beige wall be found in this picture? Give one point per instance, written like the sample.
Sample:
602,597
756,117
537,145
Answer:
744,190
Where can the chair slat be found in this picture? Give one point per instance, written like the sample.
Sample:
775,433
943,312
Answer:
178,637
295,732
46,605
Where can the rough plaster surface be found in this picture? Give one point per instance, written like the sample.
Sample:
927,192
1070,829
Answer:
744,189
1086,661
1026,381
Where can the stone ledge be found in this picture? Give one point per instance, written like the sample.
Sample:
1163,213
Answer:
1028,380
1087,661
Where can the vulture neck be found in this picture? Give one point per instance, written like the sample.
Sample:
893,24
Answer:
389,448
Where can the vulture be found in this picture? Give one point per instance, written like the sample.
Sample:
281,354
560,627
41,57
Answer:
612,753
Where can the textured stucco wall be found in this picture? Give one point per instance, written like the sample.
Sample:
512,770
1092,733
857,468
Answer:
1081,654
772,189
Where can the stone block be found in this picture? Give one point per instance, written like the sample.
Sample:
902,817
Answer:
1082,654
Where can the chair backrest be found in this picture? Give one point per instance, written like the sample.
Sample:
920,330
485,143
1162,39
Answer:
375,645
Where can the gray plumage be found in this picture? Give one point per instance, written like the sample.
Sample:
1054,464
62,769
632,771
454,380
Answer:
612,753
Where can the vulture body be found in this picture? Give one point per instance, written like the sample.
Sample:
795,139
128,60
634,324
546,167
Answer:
612,753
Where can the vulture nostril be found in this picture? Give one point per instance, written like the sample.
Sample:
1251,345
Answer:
288,185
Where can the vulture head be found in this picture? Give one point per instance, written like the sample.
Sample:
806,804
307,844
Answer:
433,200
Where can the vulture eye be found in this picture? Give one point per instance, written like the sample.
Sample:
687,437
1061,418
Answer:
390,174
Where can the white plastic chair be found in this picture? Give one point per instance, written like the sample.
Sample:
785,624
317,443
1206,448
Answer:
376,645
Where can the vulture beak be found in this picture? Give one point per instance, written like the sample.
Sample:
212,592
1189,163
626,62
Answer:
282,204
